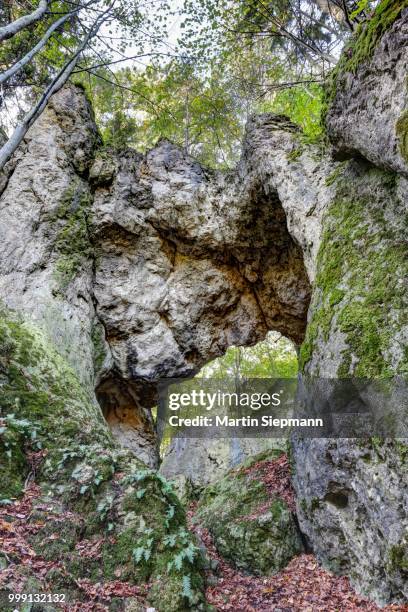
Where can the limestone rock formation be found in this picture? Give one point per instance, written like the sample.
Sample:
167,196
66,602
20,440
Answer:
117,270
353,495
252,528
193,463
369,95
191,261
98,279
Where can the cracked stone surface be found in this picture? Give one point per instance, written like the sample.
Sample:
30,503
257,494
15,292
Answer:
364,115
142,267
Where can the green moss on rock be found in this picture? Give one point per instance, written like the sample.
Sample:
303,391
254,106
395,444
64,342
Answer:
255,531
98,345
362,46
13,464
90,487
369,34
72,242
294,154
402,133
361,266
398,559
336,174
39,386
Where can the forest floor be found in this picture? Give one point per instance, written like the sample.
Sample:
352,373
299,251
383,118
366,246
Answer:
303,586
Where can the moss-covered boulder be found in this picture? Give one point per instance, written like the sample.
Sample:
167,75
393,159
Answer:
97,514
251,524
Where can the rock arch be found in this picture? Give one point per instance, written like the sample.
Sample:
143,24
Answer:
189,262
132,268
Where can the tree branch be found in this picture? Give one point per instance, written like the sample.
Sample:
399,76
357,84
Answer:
346,15
124,59
134,91
40,45
59,80
11,29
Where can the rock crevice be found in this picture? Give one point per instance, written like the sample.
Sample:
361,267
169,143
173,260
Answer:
133,268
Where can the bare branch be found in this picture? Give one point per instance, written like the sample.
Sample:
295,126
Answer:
324,26
125,59
40,45
346,15
59,80
303,44
11,29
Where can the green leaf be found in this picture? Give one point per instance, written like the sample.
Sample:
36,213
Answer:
138,553
187,592
170,540
178,561
170,512
190,552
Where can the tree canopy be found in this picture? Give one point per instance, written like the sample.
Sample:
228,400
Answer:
191,71
274,357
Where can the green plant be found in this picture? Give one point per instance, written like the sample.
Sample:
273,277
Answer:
103,509
9,426
187,552
187,592
144,549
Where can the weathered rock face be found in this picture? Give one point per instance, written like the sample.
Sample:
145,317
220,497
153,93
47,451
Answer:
133,268
190,262
193,463
368,109
352,504
252,527
43,230
352,497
